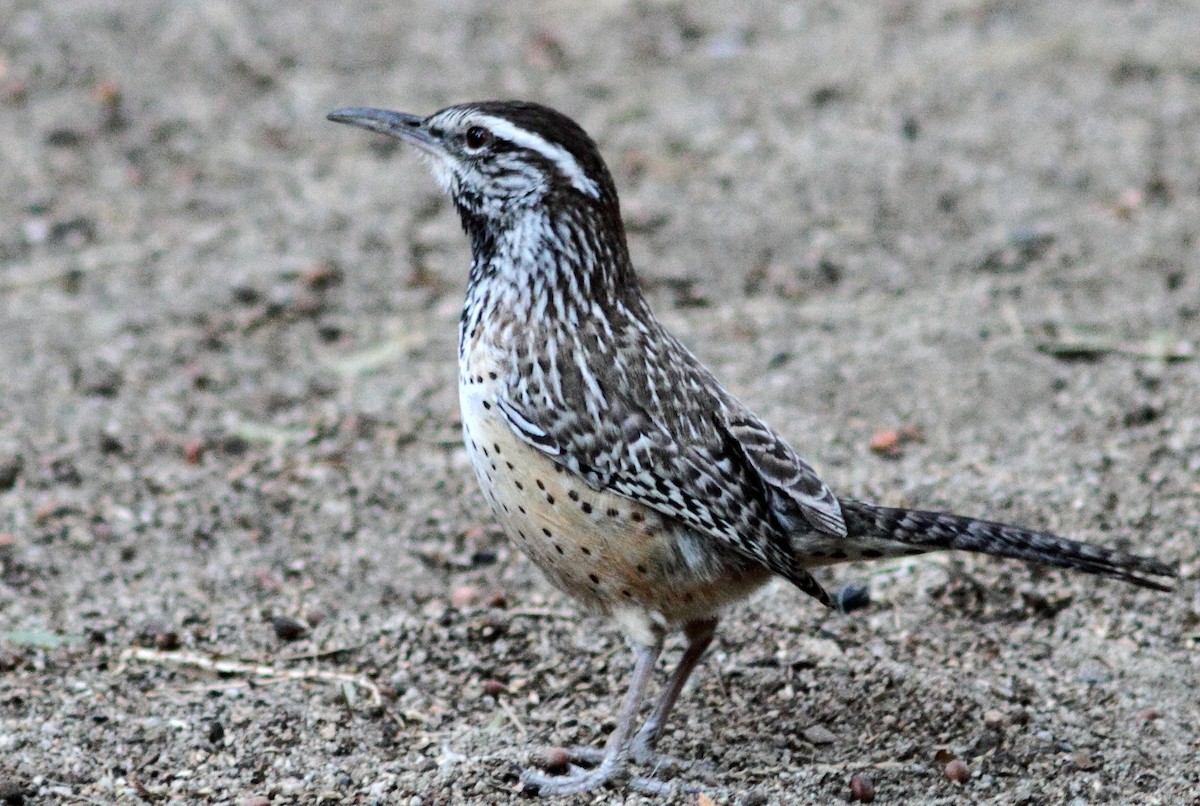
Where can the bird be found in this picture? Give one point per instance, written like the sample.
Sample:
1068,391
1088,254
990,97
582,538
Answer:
611,456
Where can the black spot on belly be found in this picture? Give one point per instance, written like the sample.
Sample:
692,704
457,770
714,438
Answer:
627,594
496,448
549,499
872,553
518,485
540,486
595,579
521,509
586,507
641,569
558,548
487,405
637,517
586,550
510,465
837,555
547,533
612,513
574,496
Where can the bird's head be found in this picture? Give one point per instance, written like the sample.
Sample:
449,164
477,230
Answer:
497,159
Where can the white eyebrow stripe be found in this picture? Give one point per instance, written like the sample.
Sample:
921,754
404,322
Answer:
562,158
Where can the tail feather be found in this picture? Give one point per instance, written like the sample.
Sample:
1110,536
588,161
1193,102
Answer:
934,531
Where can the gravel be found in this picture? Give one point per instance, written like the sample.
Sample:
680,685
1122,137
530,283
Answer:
242,559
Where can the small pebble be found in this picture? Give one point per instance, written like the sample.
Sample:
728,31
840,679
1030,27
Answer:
246,294
818,734
9,660
885,442
852,597
112,118
755,797
314,615
554,761
861,788
99,378
322,276
63,138
465,596
957,771
193,451
166,641
10,469
1083,761
216,732
12,791
494,688
288,629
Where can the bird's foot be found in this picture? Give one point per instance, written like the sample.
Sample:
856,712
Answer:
581,779
640,754
589,768
577,779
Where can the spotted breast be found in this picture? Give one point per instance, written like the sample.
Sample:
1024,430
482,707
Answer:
610,552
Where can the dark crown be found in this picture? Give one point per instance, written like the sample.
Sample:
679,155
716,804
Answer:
555,128
521,153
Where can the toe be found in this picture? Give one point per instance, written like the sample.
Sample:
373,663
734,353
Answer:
575,781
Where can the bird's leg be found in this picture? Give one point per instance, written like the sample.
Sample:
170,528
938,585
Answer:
700,635
616,751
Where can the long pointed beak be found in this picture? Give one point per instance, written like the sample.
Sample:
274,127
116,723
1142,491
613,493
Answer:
401,125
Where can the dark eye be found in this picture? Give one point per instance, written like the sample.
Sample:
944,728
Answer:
478,137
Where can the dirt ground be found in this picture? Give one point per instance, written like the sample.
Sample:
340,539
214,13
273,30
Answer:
229,434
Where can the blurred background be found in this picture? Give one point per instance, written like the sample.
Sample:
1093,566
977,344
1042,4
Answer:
947,248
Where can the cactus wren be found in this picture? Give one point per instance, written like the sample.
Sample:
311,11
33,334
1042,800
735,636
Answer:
610,454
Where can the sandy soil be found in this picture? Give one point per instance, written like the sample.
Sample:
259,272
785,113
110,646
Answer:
228,425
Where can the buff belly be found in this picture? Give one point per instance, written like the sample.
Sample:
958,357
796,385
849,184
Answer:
608,551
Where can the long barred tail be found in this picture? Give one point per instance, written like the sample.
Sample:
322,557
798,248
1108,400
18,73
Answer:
934,531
